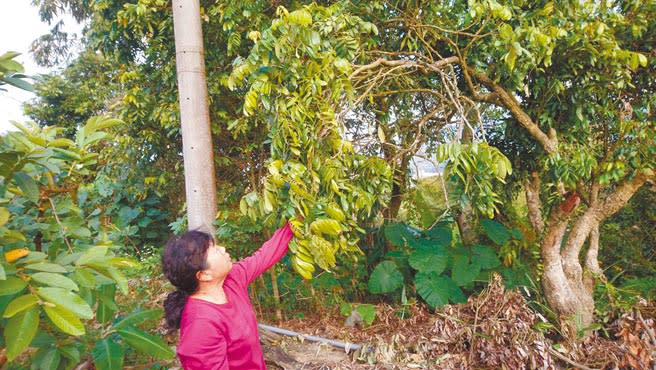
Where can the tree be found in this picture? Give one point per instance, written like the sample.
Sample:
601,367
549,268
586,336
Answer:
137,42
196,132
563,89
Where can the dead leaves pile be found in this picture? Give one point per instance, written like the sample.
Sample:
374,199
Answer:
492,330
497,330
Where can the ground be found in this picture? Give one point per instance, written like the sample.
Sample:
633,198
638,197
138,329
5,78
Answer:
495,329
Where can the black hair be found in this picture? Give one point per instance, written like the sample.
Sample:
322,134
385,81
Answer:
182,258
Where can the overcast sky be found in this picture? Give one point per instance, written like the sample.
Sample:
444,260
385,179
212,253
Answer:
19,26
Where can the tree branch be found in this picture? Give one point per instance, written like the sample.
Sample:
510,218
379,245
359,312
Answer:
600,211
591,258
404,63
548,142
534,203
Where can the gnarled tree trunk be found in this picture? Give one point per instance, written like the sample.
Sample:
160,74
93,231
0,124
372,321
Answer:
568,278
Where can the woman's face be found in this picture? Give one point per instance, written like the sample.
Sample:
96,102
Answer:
218,262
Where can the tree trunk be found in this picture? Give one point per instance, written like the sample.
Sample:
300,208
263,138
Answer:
567,287
200,182
465,217
466,220
399,186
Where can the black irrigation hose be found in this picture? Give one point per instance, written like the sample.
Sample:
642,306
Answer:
344,345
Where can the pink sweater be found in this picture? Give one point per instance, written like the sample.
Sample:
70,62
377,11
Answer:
224,336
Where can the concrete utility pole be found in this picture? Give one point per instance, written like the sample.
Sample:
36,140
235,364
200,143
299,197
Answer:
200,182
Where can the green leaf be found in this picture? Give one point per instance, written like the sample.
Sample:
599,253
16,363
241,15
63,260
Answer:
119,278
20,331
326,226
47,267
108,355
433,288
485,256
4,216
455,293
385,278
51,360
429,259
398,234
67,300
498,233
70,352
464,272
138,318
19,83
85,277
106,305
33,257
12,285
3,274
367,312
65,320
92,254
28,186
56,280
440,234
20,304
146,343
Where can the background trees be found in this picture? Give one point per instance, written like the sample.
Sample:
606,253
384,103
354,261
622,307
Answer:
540,114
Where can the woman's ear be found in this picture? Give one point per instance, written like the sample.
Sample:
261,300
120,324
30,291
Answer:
203,275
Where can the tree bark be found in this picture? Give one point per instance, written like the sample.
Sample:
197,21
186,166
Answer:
567,287
398,189
592,269
465,217
200,181
534,203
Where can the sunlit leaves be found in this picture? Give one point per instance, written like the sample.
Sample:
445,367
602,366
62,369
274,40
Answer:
12,285
19,304
477,167
67,300
65,320
297,76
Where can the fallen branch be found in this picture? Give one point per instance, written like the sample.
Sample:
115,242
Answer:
560,356
638,314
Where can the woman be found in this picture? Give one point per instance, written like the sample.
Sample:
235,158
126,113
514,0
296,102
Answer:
211,306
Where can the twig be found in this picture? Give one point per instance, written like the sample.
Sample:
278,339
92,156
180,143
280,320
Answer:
61,227
84,365
638,314
560,356
473,335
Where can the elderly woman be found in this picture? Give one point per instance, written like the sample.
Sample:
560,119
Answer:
211,306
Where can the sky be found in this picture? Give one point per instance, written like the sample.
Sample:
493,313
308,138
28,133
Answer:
19,26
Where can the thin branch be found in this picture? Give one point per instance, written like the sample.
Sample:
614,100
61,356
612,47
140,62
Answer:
638,314
61,227
575,364
405,64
